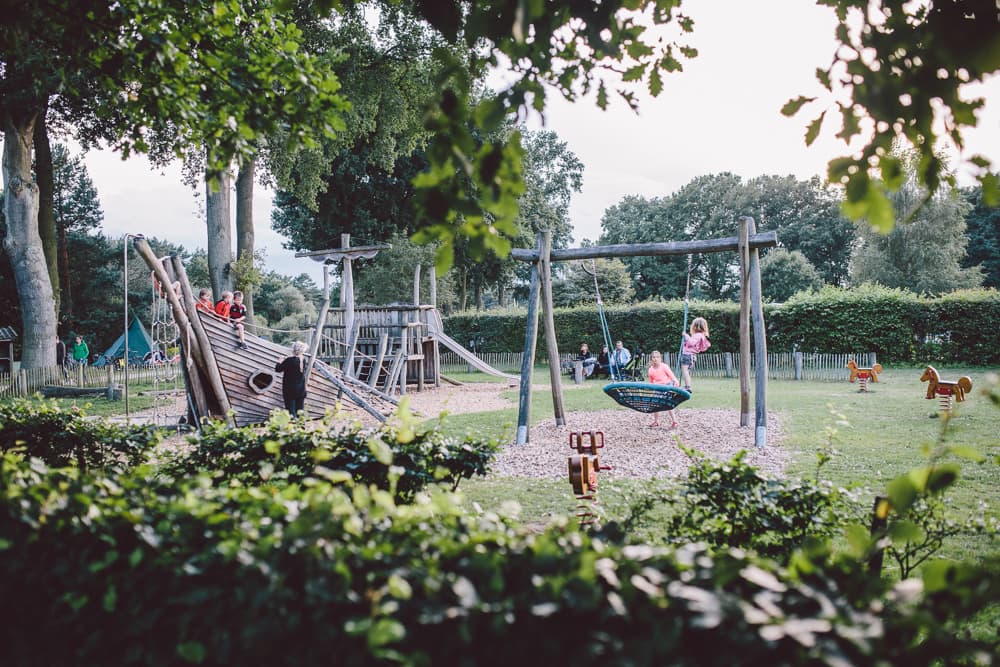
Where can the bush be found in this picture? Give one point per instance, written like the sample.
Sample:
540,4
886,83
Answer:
732,505
897,325
63,437
286,451
132,571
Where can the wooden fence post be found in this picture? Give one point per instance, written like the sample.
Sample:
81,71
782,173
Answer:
798,364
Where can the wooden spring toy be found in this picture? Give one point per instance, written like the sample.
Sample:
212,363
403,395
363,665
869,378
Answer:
583,469
946,391
863,375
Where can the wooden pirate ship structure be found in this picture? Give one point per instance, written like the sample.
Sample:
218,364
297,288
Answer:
360,358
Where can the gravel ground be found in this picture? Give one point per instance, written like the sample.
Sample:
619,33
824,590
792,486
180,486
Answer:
631,447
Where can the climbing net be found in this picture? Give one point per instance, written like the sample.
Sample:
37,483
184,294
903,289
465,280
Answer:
163,358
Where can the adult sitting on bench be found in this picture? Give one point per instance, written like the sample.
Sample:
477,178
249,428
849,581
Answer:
588,360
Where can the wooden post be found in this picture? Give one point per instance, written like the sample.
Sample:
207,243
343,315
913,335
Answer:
727,357
798,364
191,374
551,345
203,355
404,345
577,372
416,286
759,343
383,342
432,279
347,288
435,345
528,359
744,251
317,335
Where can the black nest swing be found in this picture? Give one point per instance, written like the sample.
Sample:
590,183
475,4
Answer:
641,396
645,396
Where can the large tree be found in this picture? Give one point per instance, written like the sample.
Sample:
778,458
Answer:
163,69
925,249
75,209
983,229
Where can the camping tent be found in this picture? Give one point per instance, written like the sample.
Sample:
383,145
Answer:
139,344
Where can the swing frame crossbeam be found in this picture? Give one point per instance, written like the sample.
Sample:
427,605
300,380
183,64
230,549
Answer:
747,244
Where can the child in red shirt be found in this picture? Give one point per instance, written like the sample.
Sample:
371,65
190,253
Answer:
660,373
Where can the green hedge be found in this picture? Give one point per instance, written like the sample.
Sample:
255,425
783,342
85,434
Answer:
284,451
62,437
132,571
961,328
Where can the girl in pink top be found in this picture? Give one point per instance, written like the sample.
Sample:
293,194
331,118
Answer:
694,344
660,373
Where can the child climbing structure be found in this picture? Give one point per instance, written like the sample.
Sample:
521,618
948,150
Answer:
359,357
225,381
392,346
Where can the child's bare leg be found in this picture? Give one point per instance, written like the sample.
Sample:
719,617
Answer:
686,375
673,420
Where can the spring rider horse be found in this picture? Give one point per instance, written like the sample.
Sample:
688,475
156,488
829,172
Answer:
945,390
583,469
863,375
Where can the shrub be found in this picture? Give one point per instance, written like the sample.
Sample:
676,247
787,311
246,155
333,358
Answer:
63,437
732,505
131,571
286,451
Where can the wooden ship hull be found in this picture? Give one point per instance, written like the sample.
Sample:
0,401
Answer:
254,388
225,381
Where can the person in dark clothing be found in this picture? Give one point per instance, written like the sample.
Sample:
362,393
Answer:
603,363
61,357
293,384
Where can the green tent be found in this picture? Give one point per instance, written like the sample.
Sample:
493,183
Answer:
139,344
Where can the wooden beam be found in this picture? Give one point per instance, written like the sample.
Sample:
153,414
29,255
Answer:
548,319
744,251
528,358
196,388
760,346
203,356
727,244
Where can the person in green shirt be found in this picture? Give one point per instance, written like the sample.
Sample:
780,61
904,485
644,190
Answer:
80,351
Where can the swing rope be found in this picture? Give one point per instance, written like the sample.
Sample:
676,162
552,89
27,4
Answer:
687,292
640,396
613,370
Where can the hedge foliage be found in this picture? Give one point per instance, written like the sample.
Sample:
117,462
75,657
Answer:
62,437
285,451
962,327
128,570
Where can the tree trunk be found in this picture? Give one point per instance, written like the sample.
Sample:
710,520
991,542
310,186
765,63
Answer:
23,244
479,296
220,232
65,278
244,223
463,290
46,205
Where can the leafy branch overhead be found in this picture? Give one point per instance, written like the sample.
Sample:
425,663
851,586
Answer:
904,67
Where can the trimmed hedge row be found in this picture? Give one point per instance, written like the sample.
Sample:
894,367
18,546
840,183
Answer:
961,328
284,451
63,437
131,571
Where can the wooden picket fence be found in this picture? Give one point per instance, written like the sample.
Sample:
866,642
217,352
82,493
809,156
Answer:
780,365
27,381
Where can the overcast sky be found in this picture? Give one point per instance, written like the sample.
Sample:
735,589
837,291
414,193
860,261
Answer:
720,114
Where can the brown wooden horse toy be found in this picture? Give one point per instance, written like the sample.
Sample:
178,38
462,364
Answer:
863,373
938,387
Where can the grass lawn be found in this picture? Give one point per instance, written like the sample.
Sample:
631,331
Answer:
883,433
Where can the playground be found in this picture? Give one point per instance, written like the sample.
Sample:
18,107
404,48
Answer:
871,438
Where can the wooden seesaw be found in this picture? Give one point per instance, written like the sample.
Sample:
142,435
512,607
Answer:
583,469
946,391
863,375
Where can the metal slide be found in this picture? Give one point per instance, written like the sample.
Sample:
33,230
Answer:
469,357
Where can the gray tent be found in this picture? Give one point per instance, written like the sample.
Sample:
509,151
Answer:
139,344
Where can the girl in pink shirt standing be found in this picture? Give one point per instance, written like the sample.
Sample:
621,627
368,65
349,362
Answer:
694,344
660,373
